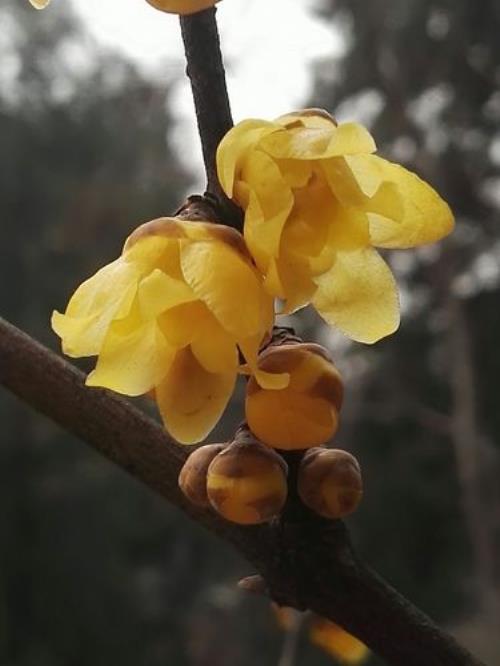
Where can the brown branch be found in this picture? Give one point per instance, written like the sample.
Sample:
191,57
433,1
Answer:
205,70
307,562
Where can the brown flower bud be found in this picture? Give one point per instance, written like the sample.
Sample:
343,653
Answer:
246,483
193,475
303,414
329,482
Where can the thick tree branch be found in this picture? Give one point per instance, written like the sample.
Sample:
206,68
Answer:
205,70
307,562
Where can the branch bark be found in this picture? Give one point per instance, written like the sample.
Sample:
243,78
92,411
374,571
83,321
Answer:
205,70
307,562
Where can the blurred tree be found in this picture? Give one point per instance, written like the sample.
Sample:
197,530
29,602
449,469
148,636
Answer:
424,75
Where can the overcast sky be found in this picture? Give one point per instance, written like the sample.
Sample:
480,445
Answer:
268,46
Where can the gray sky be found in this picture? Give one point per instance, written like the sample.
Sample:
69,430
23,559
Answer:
268,46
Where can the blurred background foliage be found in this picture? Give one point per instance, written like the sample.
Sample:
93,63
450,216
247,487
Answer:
94,570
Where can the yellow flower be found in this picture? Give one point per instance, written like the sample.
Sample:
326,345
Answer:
182,6
317,202
337,642
39,4
169,316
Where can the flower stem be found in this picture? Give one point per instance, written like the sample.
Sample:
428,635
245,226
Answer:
205,70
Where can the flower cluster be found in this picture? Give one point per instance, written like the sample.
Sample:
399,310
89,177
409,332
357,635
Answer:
170,316
189,304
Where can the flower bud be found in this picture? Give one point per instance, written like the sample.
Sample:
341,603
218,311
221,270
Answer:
303,414
246,482
193,475
330,483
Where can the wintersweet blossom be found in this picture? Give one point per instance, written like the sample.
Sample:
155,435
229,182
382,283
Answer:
337,642
170,316
170,6
317,202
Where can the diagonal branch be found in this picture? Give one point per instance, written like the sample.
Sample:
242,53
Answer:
306,562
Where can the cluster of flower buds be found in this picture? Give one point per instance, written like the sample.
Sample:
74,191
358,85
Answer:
246,480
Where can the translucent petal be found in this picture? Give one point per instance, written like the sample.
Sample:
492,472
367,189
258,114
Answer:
315,210
316,143
270,203
134,357
296,282
226,283
425,217
214,348
180,325
159,292
234,147
191,400
295,172
359,296
351,179
311,118
107,295
250,348
150,252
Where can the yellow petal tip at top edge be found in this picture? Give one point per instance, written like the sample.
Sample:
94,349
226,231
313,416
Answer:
39,4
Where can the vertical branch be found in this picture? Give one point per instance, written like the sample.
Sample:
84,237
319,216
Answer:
205,70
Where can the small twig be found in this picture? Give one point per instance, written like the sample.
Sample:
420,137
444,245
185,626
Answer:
205,70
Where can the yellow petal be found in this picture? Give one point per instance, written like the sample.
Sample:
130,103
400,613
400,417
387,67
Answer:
311,118
214,348
191,400
425,217
159,292
296,173
149,252
105,296
134,357
270,203
250,349
359,296
39,4
182,6
180,325
296,282
351,179
227,285
337,642
314,211
316,143
234,147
